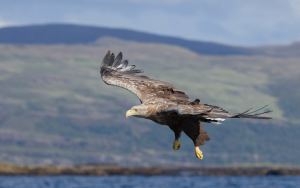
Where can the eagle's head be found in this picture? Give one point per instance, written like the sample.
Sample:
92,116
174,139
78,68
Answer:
137,111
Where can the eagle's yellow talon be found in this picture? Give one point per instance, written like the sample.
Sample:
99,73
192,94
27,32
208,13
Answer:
176,145
198,153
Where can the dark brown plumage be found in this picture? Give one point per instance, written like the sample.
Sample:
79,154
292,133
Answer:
165,104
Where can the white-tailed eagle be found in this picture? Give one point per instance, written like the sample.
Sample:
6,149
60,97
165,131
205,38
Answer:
165,104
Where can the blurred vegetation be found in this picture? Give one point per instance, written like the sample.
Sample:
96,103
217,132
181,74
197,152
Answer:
55,109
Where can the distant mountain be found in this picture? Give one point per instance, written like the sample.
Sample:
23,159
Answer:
76,34
291,50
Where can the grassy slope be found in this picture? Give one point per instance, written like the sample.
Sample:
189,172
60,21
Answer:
54,108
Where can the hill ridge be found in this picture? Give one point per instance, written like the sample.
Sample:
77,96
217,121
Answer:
79,34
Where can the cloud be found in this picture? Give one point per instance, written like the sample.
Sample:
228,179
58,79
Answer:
3,23
295,6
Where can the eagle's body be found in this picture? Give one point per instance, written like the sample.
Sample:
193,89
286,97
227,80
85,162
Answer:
164,103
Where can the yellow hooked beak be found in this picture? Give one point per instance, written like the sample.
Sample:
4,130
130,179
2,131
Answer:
131,113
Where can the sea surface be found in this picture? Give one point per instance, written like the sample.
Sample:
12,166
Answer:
149,182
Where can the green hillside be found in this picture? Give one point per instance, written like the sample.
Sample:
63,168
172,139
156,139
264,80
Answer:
54,107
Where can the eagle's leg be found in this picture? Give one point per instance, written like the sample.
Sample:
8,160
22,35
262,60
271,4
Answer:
177,131
193,128
198,153
176,145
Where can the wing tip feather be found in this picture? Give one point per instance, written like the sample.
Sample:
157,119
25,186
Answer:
114,63
248,114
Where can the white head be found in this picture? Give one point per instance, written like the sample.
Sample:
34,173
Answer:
140,110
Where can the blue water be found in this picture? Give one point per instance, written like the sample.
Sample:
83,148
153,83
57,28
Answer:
148,182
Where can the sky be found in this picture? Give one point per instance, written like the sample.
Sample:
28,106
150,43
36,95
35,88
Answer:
233,22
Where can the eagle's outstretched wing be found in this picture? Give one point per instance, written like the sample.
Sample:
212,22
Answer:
115,72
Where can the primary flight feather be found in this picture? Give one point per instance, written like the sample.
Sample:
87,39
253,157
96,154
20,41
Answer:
165,104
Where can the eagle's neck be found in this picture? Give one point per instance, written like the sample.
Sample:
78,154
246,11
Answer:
147,110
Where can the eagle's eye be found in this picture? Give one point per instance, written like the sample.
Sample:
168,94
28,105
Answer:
136,110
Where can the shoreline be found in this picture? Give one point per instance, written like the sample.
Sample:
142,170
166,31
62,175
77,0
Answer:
107,170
